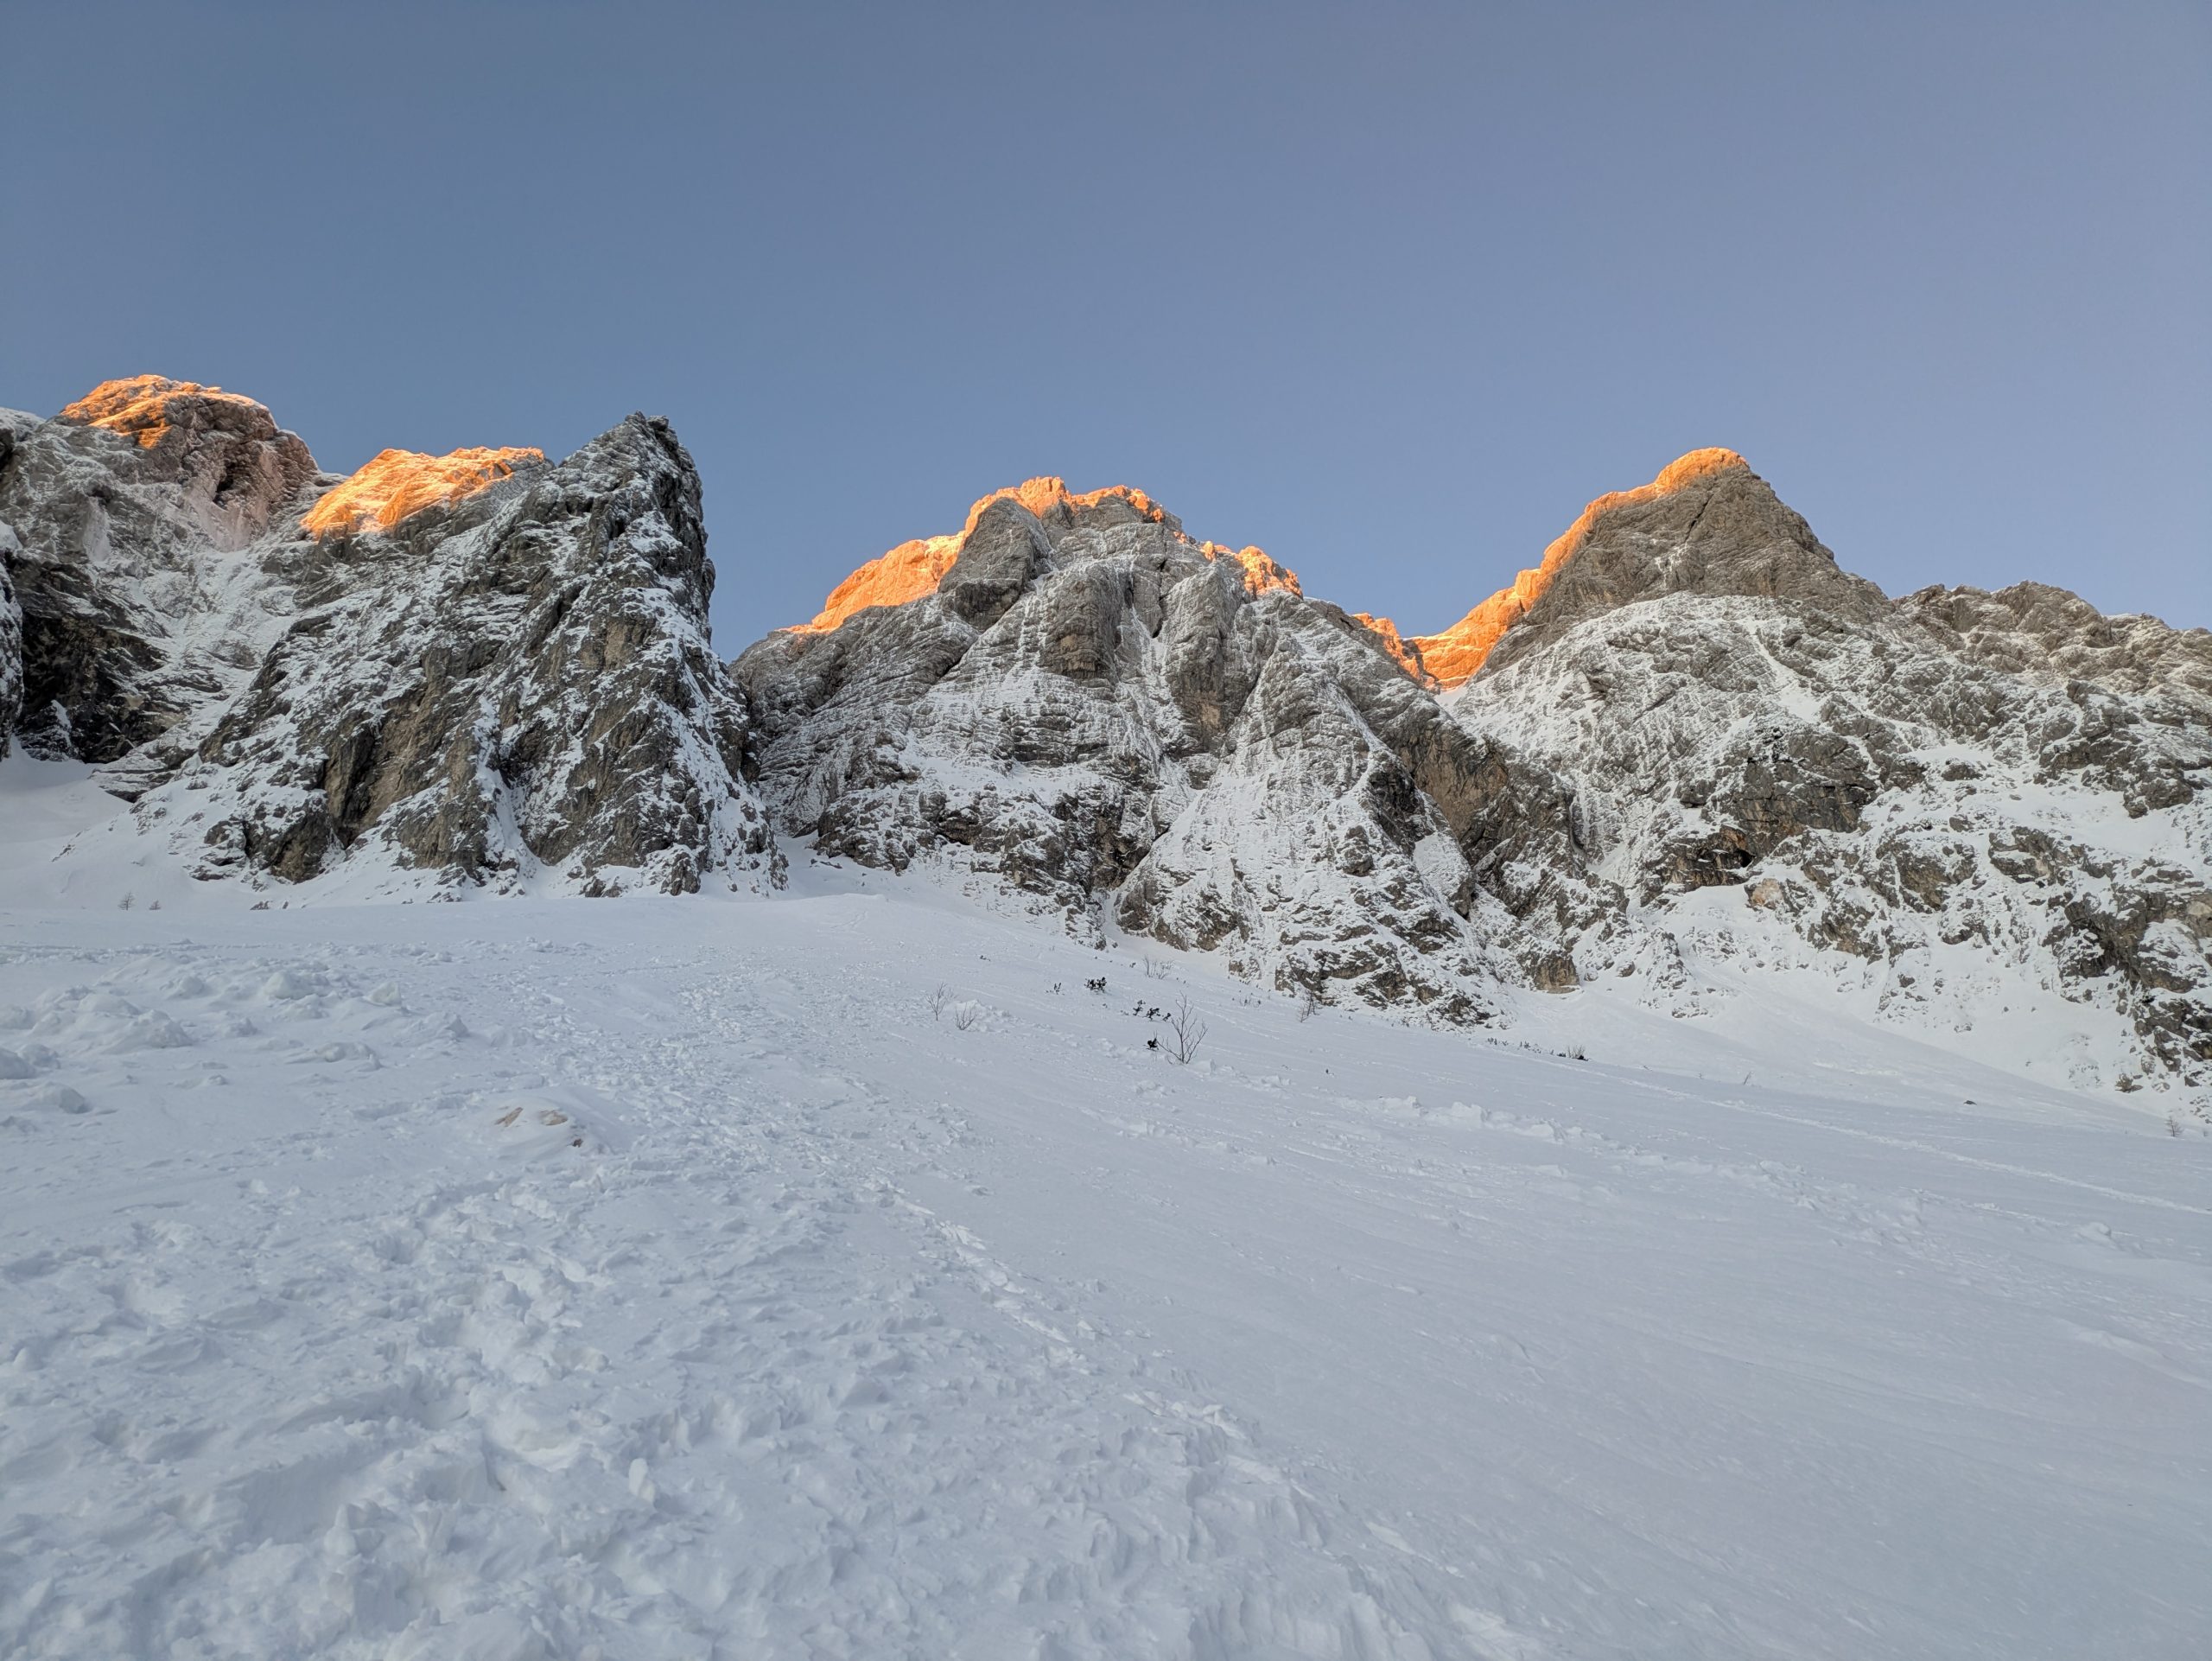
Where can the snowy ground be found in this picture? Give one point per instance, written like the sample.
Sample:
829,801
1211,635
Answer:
671,1279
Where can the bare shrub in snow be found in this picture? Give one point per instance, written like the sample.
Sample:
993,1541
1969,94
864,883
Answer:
1187,1033
939,999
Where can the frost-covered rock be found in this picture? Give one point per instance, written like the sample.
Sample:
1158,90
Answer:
483,667
1958,801
1134,728
520,680
11,640
144,559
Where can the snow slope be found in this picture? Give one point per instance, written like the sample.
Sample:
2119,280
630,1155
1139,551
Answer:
658,1278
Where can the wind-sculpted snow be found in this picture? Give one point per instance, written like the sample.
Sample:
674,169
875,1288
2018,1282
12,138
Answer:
477,668
1140,731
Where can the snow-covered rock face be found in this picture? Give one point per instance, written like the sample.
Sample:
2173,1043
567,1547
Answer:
1687,741
11,645
1962,803
1133,729
522,684
1688,736
482,667
139,517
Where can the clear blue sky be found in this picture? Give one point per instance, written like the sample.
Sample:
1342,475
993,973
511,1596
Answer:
1390,290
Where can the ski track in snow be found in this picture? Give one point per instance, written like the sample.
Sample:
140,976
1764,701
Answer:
665,1279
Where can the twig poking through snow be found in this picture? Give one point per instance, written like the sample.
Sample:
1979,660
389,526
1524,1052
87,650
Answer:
1189,1033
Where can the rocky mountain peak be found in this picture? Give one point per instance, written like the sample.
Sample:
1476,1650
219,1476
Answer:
214,460
480,668
1706,524
1042,509
148,408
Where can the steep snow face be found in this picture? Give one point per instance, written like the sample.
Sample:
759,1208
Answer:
1982,812
1138,731
482,667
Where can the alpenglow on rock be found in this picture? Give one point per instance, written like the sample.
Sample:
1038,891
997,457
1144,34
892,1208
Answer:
1977,811
484,668
1120,725
1686,757
137,520
1687,746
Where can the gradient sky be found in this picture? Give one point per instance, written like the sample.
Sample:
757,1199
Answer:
1390,290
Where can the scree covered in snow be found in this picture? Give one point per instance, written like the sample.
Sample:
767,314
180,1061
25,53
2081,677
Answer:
841,1275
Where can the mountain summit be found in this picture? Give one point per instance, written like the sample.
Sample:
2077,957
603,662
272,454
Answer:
1706,524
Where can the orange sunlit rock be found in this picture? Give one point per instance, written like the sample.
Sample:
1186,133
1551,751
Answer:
138,405
1453,656
1260,573
914,568
1408,652
907,572
399,483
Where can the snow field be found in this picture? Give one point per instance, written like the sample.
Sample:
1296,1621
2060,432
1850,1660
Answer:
551,1279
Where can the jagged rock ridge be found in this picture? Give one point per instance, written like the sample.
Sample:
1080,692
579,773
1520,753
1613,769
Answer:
1687,697
484,667
1687,741
1936,798
1145,731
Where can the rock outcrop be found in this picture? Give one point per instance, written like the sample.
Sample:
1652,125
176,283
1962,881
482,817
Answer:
136,516
1136,730
1688,740
11,645
484,667
1959,801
